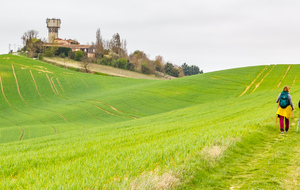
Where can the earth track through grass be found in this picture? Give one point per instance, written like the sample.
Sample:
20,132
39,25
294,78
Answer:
267,160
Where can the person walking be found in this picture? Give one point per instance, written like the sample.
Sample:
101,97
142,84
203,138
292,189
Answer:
284,108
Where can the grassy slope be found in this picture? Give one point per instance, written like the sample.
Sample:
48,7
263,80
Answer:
81,132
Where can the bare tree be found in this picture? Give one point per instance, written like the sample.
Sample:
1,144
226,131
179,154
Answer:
115,44
85,63
29,39
159,63
123,50
99,48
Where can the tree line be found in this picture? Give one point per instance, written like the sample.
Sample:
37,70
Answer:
111,52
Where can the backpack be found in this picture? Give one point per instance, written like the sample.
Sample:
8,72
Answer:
284,100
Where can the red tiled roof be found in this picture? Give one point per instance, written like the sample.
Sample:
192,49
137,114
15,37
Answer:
73,46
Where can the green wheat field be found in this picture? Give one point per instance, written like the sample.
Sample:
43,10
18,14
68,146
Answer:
61,129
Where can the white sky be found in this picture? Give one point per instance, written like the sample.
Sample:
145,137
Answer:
214,34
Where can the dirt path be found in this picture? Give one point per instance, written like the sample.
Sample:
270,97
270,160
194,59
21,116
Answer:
102,69
273,165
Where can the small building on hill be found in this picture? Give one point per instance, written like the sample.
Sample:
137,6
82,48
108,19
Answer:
74,45
53,26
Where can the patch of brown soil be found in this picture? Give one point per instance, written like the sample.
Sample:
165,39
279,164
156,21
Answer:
168,180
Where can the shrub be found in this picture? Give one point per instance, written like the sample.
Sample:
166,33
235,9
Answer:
62,55
71,55
64,50
130,66
145,69
49,52
105,60
78,55
121,63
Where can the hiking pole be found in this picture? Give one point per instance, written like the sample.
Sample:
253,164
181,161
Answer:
292,119
276,123
298,123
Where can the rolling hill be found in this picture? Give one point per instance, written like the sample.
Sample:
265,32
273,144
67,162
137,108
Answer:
62,129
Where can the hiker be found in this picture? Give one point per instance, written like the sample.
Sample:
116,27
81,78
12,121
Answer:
284,108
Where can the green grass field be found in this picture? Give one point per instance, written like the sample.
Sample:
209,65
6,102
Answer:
61,129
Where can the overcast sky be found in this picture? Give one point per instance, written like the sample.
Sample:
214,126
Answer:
214,34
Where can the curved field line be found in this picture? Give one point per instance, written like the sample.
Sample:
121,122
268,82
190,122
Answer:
18,85
35,84
131,107
294,81
262,79
62,117
84,83
171,91
69,84
54,85
278,85
90,112
130,116
247,88
60,85
20,111
284,76
50,83
107,105
22,99
4,94
23,132
105,110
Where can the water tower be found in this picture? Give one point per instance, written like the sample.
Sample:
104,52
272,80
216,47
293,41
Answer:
53,25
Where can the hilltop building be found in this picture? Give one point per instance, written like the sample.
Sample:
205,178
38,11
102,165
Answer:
53,25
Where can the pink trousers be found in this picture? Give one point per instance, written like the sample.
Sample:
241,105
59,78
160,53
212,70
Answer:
287,122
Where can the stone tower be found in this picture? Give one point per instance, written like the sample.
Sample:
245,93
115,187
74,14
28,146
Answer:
53,25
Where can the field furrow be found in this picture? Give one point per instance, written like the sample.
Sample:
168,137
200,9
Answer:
247,88
262,79
54,85
4,94
60,85
107,105
35,84
51,84
283,76
18,85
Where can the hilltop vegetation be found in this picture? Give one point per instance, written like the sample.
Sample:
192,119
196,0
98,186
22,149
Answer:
63,129
111,52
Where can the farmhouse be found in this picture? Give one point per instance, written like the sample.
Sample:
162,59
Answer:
53,25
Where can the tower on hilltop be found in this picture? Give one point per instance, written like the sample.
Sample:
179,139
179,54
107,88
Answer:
53,25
